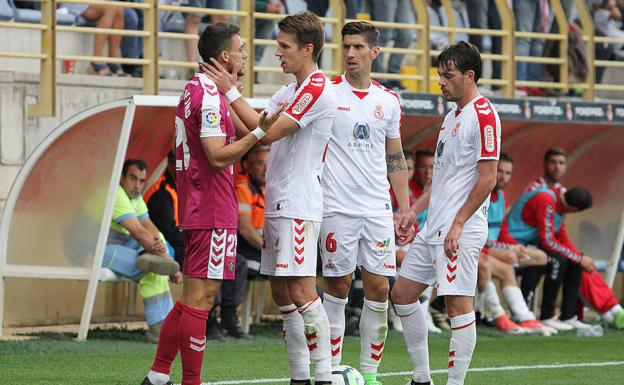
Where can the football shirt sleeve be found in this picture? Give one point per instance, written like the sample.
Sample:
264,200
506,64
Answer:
122,209
307,105
487,132
393,130
209,114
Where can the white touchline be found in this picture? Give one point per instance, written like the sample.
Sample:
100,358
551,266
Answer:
438,371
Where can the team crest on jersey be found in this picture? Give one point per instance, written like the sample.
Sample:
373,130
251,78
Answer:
303,102
211,118
379,114
361,131
455,130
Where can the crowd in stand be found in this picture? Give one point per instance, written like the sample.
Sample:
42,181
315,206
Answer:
531,16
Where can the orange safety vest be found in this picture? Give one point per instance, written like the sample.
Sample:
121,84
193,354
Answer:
257,203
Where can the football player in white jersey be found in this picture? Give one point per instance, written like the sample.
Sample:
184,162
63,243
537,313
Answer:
294,197
447,249
358,230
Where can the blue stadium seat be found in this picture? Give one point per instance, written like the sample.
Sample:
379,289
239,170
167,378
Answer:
6,11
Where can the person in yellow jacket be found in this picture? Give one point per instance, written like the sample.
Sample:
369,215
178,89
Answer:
136,250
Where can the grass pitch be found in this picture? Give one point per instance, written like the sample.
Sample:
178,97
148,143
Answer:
120,357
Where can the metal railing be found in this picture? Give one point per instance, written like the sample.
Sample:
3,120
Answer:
421,53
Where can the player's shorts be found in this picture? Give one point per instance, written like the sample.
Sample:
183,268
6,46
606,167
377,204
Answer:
427,263
347,242
289,247
210,254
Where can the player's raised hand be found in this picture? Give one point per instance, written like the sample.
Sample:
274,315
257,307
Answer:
266,120
451,242
218,74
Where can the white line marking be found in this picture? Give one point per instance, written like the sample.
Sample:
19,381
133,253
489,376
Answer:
438,371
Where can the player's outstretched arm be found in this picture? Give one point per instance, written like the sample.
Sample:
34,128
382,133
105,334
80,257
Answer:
226,83
276,130
481,190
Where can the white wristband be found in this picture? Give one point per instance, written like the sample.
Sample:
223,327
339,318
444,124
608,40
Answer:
259,133
233,94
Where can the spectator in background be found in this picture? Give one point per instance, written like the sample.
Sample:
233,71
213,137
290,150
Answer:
162,203
320,7
531,16
264,27
399,11
423,173
104,16
136,250
483,14
193,20
132,46
438,17
608,22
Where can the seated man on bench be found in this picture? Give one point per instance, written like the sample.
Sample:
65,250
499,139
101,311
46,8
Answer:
136,250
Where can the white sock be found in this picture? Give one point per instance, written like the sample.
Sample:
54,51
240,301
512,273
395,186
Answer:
491,302
609,316
373,332
515,300
157,378
298,353
415,332
316,327
463,341
335,309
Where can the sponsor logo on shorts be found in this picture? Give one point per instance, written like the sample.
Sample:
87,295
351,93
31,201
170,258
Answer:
281,266
389,267
344,108
383,244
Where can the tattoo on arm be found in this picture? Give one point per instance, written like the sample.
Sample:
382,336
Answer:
396,162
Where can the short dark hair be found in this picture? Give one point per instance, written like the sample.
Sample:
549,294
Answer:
307,29
369,31
423,153
464,55
254,150
578,197
505,157
554,151
141,165
215,39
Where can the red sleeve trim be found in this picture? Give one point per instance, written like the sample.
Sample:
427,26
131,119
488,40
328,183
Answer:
306,98
487,127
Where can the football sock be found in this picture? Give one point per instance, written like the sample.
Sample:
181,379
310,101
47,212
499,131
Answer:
463,341
519,308
335,309
415,332
491,302
609,316
192,332
316,327
373,332
168,346
298,353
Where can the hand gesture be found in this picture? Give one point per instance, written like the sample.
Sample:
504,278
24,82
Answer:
159,246
451,242
219,75
176,278
588,264
266,120
403,222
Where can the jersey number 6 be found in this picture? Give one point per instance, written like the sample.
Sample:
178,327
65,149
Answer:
330,243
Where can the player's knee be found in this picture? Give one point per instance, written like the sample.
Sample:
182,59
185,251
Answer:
378,291
338,287
400,295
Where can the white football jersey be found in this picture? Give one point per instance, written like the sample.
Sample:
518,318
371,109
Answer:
293,177
466,137
355,178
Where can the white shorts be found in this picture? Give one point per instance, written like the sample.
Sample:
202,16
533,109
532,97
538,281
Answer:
347,242
428,264
289,247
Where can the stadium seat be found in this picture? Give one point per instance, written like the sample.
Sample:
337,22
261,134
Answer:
6,11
